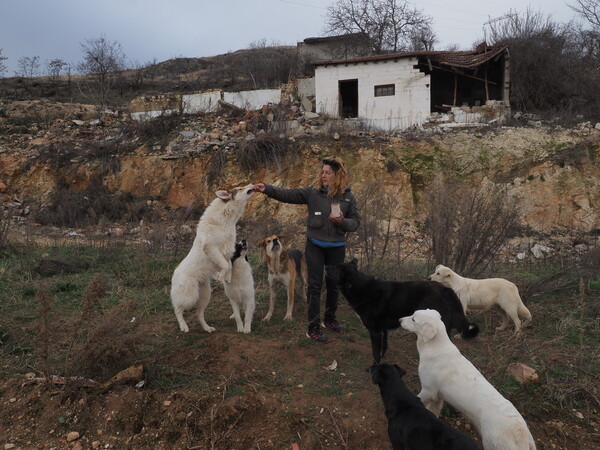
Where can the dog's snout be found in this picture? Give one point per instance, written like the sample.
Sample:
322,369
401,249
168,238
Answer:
429,278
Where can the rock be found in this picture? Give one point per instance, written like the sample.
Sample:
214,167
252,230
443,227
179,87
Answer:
72,436
521,256
336,136
78,122
8,446
538,250
597,127
95,444
522,372
187,134
310,115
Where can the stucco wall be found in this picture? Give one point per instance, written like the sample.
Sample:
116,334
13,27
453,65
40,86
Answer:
201,102
253,99
409,106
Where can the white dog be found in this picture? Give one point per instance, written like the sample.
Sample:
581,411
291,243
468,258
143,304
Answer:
481,295
240,291
210,255
446,375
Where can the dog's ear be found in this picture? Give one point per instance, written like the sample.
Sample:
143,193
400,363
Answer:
400,370
427,331
223,195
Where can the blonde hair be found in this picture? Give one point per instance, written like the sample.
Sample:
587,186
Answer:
340,179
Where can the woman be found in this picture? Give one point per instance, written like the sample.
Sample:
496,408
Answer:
332,213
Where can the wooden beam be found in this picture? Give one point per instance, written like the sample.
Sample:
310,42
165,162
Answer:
455,71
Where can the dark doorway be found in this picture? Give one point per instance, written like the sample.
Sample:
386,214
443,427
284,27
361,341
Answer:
348,98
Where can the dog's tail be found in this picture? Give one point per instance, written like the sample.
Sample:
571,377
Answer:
523,312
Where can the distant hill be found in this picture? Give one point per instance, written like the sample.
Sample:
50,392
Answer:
255,68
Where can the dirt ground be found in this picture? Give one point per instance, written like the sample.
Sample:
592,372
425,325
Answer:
268,389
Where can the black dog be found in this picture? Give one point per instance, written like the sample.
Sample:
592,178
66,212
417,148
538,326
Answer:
410,424
380,304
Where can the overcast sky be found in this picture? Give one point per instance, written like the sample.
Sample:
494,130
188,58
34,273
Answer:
164,29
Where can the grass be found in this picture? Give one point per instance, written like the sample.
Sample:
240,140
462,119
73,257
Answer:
127,319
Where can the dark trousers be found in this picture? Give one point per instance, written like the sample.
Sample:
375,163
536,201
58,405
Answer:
316,260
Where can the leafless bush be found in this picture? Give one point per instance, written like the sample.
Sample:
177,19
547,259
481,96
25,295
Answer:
549,70
69,208
382,248
5,223
217,166
110,345
265,151
43,340
468,226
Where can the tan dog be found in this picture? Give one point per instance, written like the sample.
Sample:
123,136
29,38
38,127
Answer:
285,266
481,295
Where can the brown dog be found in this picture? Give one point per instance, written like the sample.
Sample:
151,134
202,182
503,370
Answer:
285,266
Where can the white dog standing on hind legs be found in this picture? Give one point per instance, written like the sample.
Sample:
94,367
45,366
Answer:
210,255
446,375
481,295
240,291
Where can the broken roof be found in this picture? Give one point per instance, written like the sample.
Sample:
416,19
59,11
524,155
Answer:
469,59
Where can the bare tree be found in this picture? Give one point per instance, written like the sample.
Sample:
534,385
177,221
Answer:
28,66
101,62
54,69
422,38
589,10
2,63
388,23
549,70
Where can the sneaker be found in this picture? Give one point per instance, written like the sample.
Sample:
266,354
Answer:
317,336
333,325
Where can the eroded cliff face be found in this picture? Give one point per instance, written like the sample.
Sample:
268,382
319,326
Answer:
553,172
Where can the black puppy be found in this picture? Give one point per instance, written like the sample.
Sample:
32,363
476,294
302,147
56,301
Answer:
410,424
380,304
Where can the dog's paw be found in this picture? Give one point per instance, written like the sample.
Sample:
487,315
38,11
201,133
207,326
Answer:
267,318
209,329
288,317
184,328
246,330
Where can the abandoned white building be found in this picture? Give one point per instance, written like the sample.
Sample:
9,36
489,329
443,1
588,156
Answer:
397,91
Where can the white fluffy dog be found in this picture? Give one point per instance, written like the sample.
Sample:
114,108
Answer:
446,375
210,255
240,291
481,295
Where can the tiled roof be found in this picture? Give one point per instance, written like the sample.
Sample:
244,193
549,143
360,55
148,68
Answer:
469,59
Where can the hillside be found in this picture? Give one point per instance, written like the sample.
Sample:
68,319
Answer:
101,209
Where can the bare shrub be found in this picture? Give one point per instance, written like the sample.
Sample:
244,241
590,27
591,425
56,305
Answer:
266,150
468,226
5,224
217,166
69,208
110,345
382,248
551,70
43,340
157,128
95,290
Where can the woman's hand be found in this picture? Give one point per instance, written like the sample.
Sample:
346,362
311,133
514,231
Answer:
337,219
260,187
